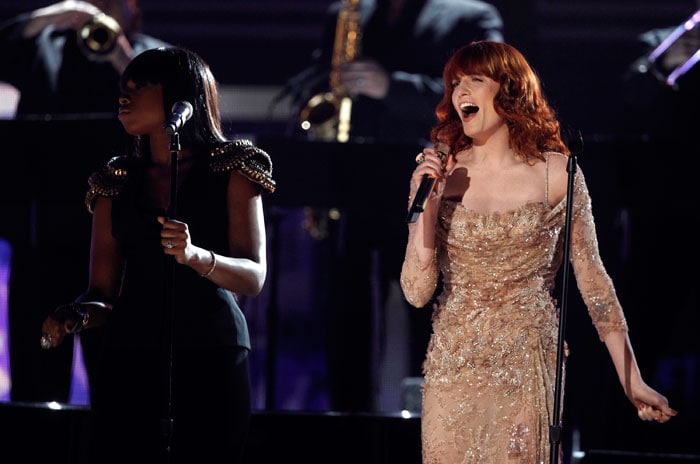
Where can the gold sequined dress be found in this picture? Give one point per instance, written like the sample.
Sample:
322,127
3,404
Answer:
490,364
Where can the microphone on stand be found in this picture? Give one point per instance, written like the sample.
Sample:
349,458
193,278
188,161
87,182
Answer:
426,186
181,113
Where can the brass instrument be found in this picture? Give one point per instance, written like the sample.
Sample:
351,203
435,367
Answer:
327,115
676,54
99,35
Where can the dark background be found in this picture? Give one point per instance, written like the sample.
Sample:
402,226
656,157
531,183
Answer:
641,189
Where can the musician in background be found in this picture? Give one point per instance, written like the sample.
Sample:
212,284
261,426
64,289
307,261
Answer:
659,109
58,72
395,79
659,95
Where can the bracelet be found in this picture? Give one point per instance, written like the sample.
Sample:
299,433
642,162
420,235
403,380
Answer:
212,264
73,311
99,304
82,321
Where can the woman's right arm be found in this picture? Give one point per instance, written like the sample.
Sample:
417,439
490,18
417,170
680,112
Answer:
419,272
92,308
106,261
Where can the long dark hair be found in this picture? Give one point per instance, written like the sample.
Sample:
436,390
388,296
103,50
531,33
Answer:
184,75
531,121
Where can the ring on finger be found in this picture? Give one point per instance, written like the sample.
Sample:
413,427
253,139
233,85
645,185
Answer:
420,158
46,341
169,244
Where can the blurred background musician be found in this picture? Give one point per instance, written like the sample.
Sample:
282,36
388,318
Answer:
389,62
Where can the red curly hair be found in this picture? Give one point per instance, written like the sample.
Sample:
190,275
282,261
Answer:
532,123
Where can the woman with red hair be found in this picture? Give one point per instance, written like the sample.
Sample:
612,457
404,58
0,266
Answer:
492,232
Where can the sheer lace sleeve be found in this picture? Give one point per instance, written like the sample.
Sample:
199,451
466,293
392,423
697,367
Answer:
418,279
418,282
592,279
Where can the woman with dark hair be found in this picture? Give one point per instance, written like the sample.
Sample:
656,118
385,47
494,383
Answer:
492,229
173,373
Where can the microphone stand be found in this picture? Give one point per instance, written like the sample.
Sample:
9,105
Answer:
168,317
556,426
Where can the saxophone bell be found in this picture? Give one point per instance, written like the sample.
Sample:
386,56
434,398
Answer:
326,115
99,35
320,112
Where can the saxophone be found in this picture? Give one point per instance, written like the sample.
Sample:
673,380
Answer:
326,116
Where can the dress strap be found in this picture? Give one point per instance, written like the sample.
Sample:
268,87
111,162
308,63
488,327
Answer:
546,180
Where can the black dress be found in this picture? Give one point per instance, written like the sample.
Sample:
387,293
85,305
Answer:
192,402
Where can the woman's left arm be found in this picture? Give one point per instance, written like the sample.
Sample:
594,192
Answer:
650,404
599,295
243,269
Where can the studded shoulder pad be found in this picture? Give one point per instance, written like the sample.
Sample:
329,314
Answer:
109,181
251,161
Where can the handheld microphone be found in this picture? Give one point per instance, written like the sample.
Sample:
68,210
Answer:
426,187
181,113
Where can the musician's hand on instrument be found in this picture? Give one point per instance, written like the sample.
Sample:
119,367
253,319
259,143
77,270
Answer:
68,14
365,77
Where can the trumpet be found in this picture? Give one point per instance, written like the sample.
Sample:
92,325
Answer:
327,115
99,35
